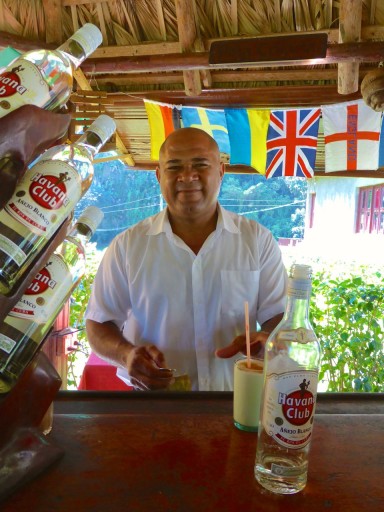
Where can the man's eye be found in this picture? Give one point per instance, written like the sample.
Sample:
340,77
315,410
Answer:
201,165
174,168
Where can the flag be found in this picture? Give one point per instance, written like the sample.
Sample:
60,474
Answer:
211,121
247,130
292,142
163,119
351,136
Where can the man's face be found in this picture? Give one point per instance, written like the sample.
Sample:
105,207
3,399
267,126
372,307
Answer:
190,174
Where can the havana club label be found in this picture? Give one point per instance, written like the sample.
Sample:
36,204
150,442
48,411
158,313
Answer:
20,84
289,407
49,288
45,197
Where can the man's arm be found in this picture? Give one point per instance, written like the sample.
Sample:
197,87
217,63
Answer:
145,365
258,340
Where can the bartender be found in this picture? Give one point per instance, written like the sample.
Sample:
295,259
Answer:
169,293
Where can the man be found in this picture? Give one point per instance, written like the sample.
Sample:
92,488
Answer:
170,290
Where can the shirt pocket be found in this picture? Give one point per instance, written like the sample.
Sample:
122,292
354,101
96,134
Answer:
238,286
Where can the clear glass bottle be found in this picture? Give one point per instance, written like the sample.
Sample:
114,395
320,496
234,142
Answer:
28,323
44,198
45,77
291,366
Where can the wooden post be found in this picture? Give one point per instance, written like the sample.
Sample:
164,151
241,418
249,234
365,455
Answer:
186,24
349,32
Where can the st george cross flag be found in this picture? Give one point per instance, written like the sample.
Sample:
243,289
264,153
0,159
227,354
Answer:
163,119
351,136
292,142
211,121
247,130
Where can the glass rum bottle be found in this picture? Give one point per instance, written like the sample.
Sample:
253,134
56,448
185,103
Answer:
291,366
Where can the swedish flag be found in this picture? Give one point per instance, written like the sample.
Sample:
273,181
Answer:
211,121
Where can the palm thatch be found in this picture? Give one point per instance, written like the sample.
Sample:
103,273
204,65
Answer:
145,29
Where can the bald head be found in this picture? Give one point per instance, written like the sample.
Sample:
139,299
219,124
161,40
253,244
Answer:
188,137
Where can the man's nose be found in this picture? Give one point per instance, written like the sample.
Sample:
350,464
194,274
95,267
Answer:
188,173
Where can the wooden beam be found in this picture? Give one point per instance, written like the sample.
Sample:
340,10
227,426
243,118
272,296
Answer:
345,52
258,97
349,32
53,21
227,76
369,33
186,25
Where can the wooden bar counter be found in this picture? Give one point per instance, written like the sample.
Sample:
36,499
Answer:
168,452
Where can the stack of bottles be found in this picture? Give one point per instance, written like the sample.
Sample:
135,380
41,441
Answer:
43,200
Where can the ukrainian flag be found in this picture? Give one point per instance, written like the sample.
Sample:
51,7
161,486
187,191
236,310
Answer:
247,131
211,121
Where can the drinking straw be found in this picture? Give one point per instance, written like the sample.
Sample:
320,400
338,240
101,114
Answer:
247,338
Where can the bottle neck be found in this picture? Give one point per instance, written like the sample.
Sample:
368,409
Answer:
91,140
74,51
81,232
297,307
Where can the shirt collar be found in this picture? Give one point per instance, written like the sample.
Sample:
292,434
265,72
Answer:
161,222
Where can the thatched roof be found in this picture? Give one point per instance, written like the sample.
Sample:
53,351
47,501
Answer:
161,50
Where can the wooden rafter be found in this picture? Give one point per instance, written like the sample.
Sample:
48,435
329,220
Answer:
349,32
53,21
186,25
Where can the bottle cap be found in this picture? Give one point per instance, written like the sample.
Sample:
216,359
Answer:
104,126
89,37
91,216
299,271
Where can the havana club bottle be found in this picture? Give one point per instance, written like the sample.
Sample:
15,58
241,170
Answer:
292,358
45,77
29,322
44,199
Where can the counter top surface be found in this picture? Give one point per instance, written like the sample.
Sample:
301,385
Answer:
181,452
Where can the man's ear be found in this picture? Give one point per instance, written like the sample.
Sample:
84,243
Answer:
222,170
158,174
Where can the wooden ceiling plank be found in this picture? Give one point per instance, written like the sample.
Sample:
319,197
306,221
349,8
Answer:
160,18
186,26
278,15
53,21
372,12
349,32
75,19
103,27
235,17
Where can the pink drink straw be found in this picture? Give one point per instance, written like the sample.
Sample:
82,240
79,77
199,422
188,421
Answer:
247,338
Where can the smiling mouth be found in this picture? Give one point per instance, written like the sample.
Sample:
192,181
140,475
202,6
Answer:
189,190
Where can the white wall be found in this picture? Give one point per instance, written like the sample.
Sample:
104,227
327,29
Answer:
333,232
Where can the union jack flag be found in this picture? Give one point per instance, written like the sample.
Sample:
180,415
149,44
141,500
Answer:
292,142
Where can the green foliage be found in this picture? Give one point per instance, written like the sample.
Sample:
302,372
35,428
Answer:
79,300
127,196
347,313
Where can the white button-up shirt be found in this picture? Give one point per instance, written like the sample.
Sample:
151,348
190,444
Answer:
157,290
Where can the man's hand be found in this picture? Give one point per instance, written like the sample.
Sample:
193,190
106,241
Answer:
258,340
147,368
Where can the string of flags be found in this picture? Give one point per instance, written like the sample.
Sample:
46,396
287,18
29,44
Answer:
281,142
